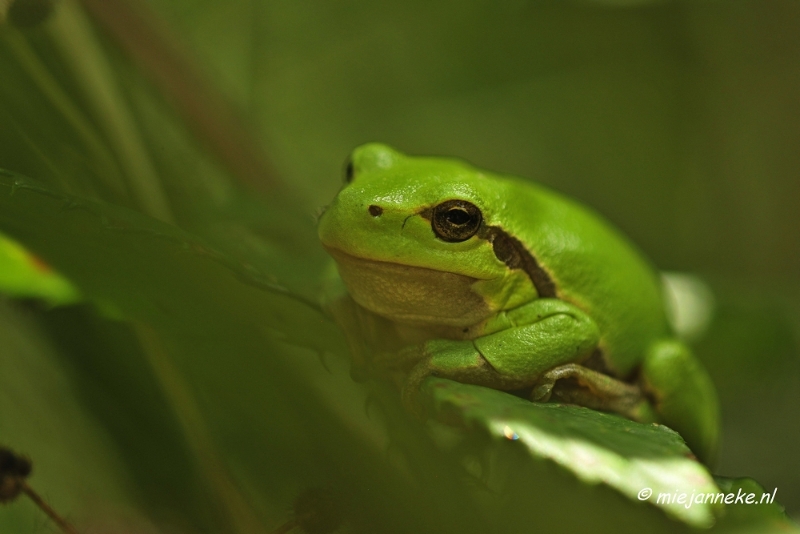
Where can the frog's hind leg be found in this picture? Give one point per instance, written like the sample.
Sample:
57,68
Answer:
684,395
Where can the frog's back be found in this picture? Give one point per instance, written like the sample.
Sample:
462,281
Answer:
593,266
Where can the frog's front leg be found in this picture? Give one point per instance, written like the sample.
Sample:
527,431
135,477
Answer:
537,337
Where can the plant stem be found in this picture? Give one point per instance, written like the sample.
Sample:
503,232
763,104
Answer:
144,37
47,509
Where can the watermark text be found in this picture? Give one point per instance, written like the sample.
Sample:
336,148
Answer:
688,499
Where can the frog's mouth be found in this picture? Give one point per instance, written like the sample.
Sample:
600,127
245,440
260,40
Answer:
411,294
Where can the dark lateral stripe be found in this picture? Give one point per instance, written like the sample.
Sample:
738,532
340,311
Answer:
510,251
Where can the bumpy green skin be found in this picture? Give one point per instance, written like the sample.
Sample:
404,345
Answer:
425,306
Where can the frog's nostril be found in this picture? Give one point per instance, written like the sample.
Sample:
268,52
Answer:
375,211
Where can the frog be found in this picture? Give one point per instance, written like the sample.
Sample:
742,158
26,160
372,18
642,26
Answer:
447,270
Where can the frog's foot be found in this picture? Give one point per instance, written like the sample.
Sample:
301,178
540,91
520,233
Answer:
684,395
382,364
411,389
466,366
592,389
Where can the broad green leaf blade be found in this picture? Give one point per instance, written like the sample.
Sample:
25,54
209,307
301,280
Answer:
641,461
147,269
24,275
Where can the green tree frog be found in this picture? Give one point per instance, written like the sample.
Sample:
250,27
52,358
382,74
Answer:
459,273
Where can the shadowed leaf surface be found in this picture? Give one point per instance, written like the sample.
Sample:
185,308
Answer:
597,447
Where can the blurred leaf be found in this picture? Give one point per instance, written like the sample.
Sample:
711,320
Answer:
26,13
757,517
24,275
149,269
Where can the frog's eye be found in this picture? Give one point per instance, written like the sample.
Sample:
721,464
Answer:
349,171
456,220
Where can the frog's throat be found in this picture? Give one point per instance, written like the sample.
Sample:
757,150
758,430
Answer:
410,294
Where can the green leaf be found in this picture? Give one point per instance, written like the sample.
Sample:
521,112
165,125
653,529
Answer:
147,269
639,460
23,275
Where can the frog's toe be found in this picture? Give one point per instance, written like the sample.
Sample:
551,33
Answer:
542,392
410,395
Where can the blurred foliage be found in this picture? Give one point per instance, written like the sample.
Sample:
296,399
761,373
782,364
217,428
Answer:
210,408
24,275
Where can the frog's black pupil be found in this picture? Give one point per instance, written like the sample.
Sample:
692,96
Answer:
458,217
